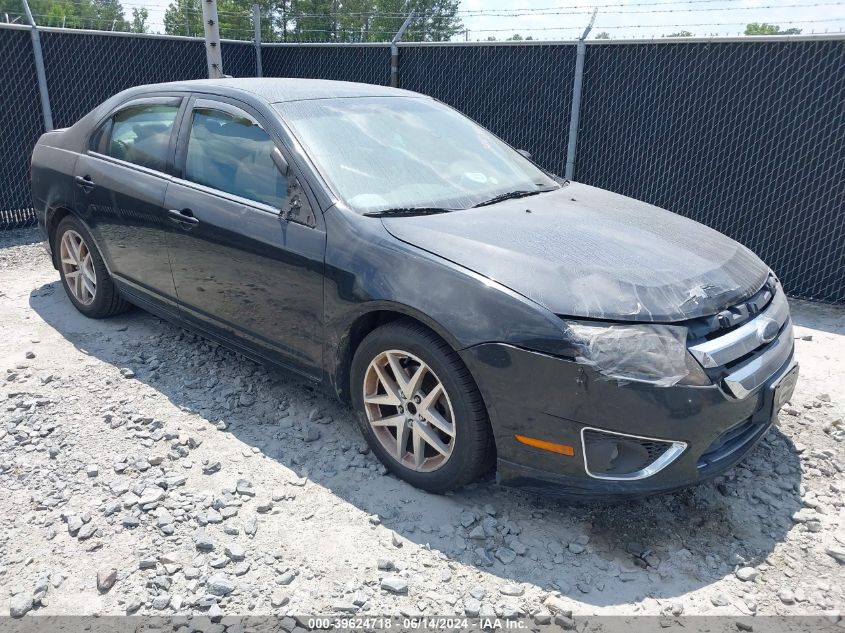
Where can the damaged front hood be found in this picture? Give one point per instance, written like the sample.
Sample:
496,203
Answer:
586,252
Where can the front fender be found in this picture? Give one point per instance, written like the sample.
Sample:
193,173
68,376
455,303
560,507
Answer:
368,270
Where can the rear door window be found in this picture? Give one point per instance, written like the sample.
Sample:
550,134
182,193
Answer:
230,152
141,134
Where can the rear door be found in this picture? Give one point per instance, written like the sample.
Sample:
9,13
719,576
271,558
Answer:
243,270
120,186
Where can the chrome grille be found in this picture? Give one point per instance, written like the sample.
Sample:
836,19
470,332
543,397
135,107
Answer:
751,353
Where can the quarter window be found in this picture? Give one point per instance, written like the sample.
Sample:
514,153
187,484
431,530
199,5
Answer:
141,134
233,154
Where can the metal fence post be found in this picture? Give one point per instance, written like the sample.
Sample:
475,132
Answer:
575,113
256,23
211,26
46,111
394,50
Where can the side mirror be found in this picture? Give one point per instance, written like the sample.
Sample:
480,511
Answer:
525,153
280,161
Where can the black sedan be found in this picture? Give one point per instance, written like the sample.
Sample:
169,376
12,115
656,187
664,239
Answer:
478,312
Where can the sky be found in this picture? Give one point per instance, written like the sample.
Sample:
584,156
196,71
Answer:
623,19
649,18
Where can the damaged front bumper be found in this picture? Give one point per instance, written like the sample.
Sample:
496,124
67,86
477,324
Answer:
628,439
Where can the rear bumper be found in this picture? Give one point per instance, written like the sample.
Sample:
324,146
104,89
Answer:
553,399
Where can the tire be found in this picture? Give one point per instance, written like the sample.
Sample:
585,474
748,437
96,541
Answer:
105,301
472,449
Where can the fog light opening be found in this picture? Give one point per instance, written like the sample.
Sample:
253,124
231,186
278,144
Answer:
609,455
616,457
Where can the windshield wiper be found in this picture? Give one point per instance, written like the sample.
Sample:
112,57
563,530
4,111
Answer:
407,211
511,195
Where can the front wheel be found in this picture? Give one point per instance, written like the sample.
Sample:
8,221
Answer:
419,408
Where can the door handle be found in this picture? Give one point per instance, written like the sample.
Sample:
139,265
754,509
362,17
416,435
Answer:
184,217
84,182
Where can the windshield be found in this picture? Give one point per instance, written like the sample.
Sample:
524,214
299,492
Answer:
380,153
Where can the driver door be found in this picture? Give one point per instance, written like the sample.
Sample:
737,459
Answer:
243,271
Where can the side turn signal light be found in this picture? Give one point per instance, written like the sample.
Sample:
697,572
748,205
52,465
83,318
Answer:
553,447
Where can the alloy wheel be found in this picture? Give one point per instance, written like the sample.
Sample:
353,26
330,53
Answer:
78,267
409,410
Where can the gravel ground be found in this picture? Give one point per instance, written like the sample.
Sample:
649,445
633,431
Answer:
145,470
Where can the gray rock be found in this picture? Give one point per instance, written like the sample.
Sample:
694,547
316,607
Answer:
477,533
558,605
286,578
87,531
150,495
219,562
719,600
472,607
385,564
511,589
130,521
467,519
395,584
215,613
747,574
202,541
312,434
786,596
506,555
213,516
161,601
251,525
74,524
484,558
220,585
245,488
211,467
20,604
106,579
836,552
235,551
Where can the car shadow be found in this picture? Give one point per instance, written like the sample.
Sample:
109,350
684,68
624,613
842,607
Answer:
659,547
818,316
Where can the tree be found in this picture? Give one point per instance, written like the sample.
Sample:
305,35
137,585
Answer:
756,28
183,17
105,15
139,20
516,37
680,34
604,35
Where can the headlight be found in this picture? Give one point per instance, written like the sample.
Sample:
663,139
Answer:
655,354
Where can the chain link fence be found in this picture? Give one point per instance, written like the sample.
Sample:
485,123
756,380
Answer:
20,126
744,136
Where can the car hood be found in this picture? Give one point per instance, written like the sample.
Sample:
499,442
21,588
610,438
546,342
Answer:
586,252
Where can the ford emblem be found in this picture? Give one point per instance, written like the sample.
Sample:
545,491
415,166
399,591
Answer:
767,330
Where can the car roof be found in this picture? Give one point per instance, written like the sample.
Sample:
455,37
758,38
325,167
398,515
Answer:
277,89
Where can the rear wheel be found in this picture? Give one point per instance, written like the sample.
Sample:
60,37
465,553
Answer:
419,408
84,275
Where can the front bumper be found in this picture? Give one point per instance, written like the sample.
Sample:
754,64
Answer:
540,396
